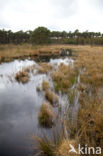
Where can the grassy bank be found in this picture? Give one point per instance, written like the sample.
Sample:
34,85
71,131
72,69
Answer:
10,52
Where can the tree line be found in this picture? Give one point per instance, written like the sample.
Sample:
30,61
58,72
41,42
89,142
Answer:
42,35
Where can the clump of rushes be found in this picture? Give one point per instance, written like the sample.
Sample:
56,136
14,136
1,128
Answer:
46,115
44,68
45,85
51,97
22,76
44,146
64,78
72,93
38,88
64,147
29,68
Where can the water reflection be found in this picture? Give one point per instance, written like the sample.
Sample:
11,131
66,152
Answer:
19,107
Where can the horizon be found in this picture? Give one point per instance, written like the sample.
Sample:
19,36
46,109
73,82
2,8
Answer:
51,30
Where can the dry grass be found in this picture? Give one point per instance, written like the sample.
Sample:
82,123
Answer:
64,77
44,146
51,97
22,76
90,121
44,68
90,59
45,85
29,68
90,115
10,52
88,125
64,147
46,115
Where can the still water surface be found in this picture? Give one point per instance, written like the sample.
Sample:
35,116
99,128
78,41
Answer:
19,107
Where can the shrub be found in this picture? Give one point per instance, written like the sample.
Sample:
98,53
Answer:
40,35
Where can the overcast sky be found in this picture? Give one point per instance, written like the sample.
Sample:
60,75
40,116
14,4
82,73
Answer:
59,15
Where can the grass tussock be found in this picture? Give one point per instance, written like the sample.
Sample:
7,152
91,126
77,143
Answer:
38,88
46,115
44,147
29,68
51,97
64,77
72,94
64,147
22,77
45,85
44,68
56,145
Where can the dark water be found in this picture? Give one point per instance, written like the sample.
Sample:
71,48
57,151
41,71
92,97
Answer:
19,107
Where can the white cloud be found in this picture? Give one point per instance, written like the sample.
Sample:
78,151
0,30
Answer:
54,14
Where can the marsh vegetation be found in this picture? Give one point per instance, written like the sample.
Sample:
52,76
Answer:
67,94
83,118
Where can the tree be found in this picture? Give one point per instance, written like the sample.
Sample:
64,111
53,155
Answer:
64,34
40,35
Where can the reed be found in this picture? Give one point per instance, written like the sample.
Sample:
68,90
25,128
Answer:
46,115
22,77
